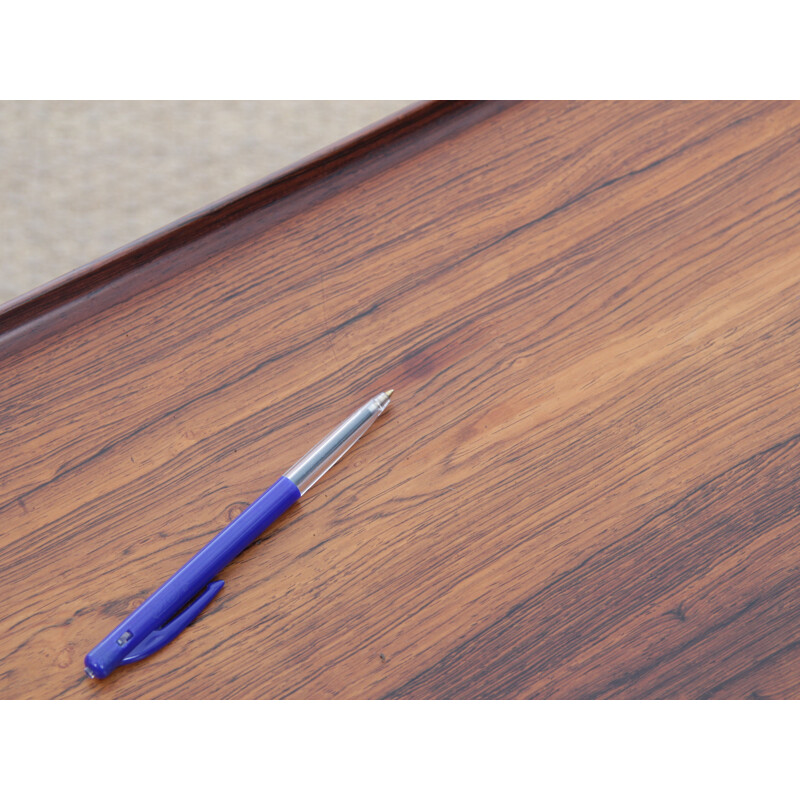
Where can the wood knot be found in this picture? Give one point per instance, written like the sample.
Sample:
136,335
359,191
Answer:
64,658
123,605
233,511
678,613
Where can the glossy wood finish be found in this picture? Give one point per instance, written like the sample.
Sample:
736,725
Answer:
588,484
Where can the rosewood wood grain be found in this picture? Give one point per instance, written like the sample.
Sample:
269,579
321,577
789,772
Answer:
587,486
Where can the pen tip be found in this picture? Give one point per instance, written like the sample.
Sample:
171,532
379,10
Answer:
389,393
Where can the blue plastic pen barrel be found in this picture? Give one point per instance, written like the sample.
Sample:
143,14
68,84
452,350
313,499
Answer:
131,640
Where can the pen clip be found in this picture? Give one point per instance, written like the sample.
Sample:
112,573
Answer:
169,630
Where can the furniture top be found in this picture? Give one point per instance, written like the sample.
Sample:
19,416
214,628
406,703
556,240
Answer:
586,485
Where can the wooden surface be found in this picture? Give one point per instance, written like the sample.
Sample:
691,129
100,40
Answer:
587,485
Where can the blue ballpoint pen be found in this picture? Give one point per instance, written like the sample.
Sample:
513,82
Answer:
179,601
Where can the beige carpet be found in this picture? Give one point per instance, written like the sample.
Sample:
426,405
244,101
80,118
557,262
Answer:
79,179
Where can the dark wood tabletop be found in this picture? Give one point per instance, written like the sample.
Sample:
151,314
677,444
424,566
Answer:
587,484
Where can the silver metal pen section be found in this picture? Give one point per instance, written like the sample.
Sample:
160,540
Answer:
317,461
